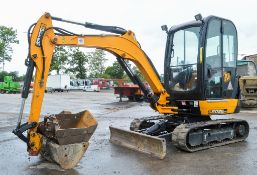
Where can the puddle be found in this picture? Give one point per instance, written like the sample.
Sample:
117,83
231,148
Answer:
47,165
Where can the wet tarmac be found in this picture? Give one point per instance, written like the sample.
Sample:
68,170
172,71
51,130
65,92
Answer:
104,158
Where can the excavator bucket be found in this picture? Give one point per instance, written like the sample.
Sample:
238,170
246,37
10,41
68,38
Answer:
66,137
143,143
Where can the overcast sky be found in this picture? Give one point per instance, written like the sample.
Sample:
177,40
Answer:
144,17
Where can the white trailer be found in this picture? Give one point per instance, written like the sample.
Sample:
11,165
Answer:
58,83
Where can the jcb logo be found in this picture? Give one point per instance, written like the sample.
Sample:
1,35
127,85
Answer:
227,77
218,111
40,33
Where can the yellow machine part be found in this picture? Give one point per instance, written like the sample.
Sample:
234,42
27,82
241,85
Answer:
35,142
218,107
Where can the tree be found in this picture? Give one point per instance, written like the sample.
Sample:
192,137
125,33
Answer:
115,71
2,75
60,59
78,61
96,62
14,75
8,36
138,73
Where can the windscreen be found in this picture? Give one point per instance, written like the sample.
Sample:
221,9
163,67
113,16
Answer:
183,63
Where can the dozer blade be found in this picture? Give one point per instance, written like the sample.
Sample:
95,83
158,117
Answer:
66,137
143,143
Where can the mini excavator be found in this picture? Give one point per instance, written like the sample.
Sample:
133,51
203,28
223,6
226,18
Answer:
199,81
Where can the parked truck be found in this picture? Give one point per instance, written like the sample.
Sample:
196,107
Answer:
103,83
131,91
9,86
58,83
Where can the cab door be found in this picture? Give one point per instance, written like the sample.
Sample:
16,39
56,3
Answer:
220,59
229,49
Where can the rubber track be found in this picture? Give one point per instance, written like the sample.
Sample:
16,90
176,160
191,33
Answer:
180,133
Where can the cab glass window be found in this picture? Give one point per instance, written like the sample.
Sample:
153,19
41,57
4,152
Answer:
229,44
183,64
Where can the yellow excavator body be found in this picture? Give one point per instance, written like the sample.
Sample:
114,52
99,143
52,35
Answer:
194,88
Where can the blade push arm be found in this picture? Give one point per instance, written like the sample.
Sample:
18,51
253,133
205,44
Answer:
122,44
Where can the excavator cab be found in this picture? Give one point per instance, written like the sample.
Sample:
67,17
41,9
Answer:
200,62
200,78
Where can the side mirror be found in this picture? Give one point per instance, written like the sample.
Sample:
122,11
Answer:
164,28
198,17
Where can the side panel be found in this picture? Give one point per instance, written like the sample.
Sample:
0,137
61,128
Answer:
218,107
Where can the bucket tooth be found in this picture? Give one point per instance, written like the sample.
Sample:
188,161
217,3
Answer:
143,143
